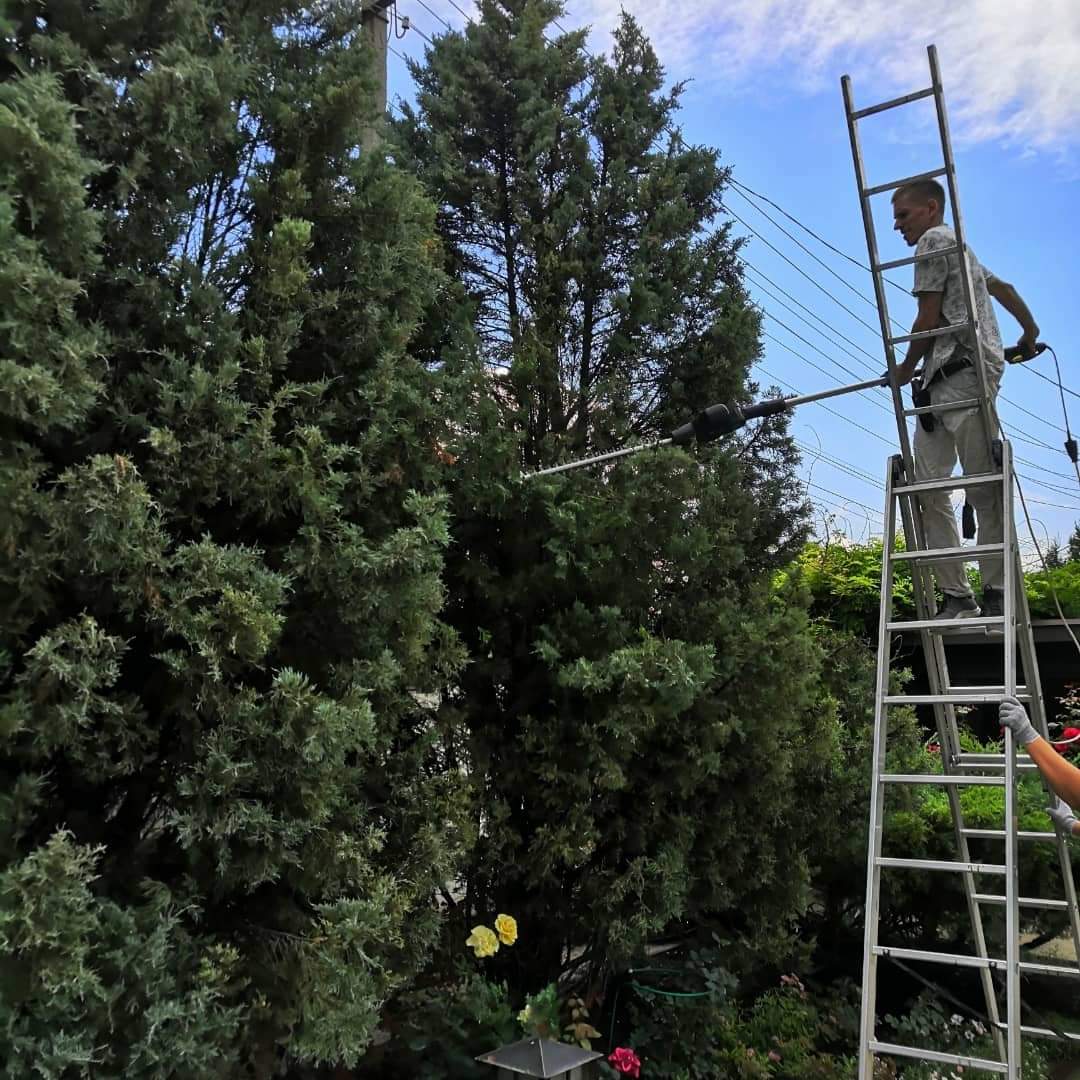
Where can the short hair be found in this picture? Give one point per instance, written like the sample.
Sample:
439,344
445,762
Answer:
921,191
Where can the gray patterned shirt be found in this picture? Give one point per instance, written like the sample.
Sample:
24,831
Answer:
942,274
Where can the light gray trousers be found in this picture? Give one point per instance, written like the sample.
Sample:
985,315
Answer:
959,435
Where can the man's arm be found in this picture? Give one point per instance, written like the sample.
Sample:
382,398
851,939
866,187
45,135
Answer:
1014,304
927,318
1063,777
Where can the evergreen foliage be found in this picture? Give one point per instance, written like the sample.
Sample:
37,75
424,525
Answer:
222,810
638,699
844,580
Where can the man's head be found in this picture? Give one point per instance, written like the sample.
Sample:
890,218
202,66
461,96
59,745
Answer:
917,207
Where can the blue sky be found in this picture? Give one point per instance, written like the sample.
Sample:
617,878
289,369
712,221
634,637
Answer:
764,89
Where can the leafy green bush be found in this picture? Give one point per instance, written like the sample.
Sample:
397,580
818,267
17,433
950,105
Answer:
443,1027
929,1025
787,1033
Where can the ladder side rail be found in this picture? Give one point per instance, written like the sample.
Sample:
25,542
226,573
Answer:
989,414
937,672
867,1018
1012,850
879,284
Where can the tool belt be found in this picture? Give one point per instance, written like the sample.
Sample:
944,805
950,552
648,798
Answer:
950,367
920,390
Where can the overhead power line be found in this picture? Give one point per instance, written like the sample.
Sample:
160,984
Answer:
828,408
435,14
802,247
806,228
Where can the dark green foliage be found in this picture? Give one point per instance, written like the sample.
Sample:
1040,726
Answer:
786,1033
1073,546
443,1028
638,699
222,810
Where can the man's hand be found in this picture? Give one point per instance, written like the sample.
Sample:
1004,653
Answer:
1063,817
905,372
1027,342
1012,715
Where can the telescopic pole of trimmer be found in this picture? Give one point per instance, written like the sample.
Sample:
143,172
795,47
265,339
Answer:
713,422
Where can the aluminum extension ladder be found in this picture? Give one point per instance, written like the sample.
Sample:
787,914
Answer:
1013,629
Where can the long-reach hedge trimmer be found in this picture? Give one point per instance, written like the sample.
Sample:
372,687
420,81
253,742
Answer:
723,419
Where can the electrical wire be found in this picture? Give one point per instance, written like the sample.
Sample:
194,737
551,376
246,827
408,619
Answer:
821,262
748,265
876,330
435,14
815,366
1070,442
806,228
828,408
1042,560
1064,389
744,191
455,4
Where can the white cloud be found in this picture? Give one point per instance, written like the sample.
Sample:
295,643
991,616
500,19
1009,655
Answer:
1011,68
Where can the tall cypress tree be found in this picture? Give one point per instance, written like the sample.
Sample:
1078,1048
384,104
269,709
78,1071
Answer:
636,693
222,814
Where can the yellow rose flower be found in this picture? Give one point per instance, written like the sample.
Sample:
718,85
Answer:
483,942
506,926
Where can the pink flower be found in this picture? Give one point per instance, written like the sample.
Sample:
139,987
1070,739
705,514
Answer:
774,1056
625,1061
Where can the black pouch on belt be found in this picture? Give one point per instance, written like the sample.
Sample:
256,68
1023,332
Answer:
920,398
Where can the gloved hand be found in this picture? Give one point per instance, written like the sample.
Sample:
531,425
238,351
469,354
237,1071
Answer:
1063,817
1013,716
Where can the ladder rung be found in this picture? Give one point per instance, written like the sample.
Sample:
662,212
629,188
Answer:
1042,1033
905,100
933,174
999,834
970,553
940,864
944,781
991,761
948,482
936,1055
924,335
1025,901
974,696
1051,969
945,406
1021,691
908,260
946,624
953,959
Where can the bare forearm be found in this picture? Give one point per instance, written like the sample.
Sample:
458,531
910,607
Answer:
918,350
1013,303
1063,778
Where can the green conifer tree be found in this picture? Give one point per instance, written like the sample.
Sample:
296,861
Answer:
636,695
1074,544
222,809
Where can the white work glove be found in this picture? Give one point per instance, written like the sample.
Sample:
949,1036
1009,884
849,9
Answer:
1063,817
1013,716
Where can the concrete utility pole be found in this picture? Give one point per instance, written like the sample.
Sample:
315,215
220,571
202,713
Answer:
374,25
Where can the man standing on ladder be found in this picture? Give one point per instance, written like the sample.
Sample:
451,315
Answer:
949,376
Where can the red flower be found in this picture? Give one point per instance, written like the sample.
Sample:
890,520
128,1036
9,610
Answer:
1067,745
625,1061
